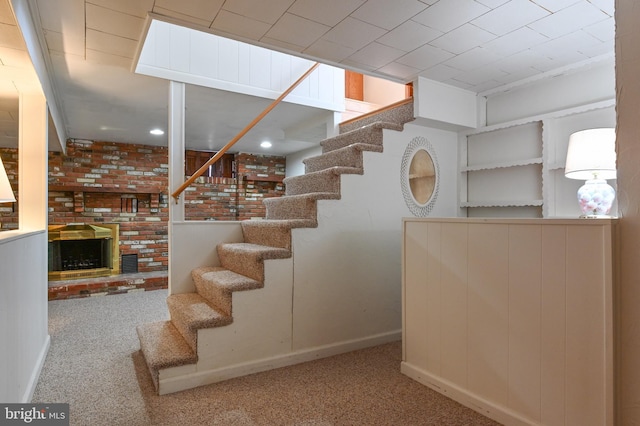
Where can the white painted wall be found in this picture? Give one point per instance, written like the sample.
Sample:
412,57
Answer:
221,63
23,313
572,89
445,105
347,272
382,92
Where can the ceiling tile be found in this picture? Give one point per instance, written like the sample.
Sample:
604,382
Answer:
521,74
462,39
240,25
327,49
113,22
59,15
555,5
409,36
567,46
296,30
568,20
102,58
603,31
6,15
604,48
472,59
521,61
138,8
14,57
515,41
492,3
447,15
378,12
10,37
397,70
353,33
510,16
479,76
376,55
607,6
440,72
181,16
202,9
288,47
424,57
327,12
112,44
264,11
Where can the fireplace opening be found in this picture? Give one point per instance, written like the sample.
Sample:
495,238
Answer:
73,255
83,251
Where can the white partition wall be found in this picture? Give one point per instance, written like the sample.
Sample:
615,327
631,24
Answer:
513,318
225,64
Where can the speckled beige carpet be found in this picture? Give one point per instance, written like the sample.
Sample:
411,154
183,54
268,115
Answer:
94,364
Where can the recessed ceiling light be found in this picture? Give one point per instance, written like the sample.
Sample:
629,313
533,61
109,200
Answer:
157,132
265,144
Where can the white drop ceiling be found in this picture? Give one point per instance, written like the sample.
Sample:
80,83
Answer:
478,45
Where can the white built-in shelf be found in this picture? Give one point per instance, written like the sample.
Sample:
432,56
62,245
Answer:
502,203
502,165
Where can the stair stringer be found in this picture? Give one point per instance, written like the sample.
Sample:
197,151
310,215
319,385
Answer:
347,273
239,348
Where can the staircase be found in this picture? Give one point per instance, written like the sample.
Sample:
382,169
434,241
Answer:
200,336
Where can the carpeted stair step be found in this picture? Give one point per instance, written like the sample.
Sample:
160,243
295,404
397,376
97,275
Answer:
272,233
163,346
190,312
323,181
399,113
370,134
248,259
349,156
217,284
303,206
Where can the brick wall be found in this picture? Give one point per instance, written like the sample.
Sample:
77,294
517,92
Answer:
107,182
110,182
260,177
9,211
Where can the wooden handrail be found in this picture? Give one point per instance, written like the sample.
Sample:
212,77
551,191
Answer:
243,132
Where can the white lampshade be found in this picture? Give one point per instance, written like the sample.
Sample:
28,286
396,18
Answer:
6,193
591,154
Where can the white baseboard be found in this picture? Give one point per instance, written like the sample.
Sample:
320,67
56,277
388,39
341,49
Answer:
201,378
35,374
495,412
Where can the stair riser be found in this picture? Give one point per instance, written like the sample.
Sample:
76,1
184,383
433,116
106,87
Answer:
334,158
242,263
220,298
287,208
274,236
308,184
400,114
368,135
179,322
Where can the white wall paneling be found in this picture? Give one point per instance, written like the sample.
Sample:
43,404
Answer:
220,63
513,318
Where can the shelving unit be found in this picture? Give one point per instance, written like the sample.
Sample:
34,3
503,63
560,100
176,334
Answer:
516,169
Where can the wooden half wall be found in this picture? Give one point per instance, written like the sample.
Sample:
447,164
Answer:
513,317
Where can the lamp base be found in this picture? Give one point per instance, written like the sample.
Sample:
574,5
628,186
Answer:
596,198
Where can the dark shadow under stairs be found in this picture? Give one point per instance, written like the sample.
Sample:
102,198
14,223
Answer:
174,343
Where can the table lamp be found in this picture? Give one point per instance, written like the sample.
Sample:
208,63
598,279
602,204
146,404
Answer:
591,156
